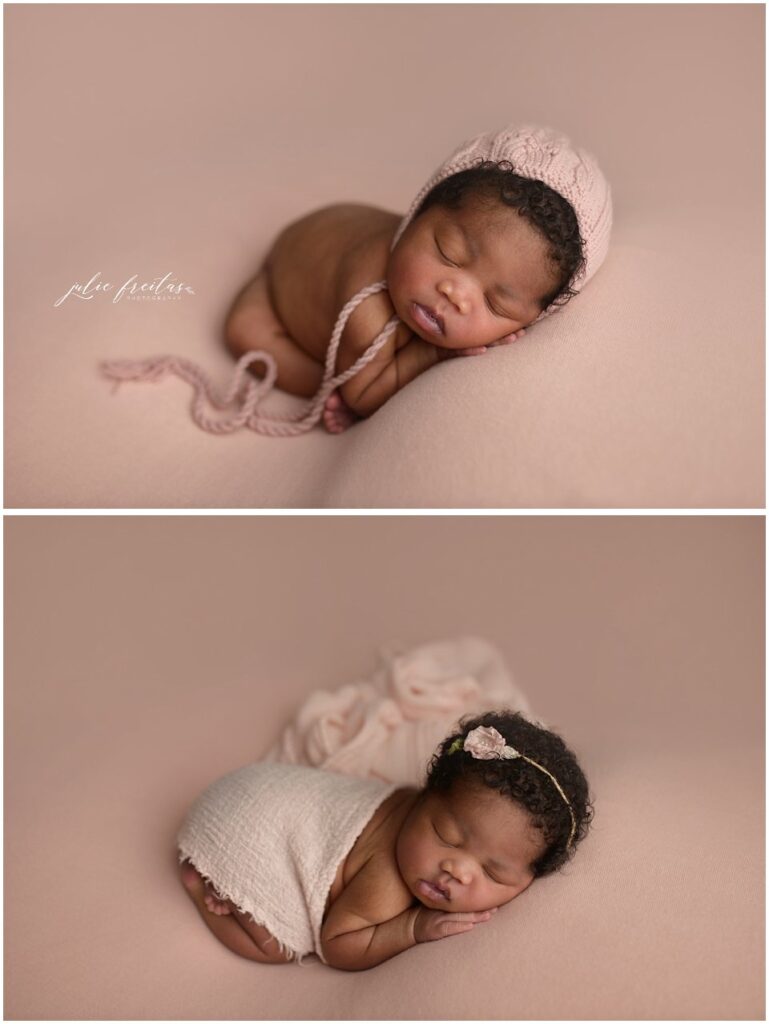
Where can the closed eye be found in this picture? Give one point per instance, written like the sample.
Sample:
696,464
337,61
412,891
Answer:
496,311
489,875
445,843
444,257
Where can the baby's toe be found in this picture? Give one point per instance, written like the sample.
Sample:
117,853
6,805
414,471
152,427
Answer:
331,421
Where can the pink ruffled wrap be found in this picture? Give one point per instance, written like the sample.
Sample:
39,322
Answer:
388,726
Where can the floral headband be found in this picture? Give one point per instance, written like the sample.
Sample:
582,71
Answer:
487,744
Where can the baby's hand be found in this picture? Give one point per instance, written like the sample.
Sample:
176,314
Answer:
509,338
437,924
480,349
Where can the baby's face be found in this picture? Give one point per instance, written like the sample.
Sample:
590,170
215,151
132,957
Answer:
481,270
472,843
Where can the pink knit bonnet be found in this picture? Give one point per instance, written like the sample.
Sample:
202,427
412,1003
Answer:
547,156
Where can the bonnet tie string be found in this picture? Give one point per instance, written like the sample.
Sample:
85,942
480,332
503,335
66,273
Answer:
245,399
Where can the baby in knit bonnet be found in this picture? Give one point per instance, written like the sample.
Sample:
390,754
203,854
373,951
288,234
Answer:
283,861
506,231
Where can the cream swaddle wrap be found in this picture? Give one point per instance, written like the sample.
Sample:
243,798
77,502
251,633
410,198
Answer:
270,837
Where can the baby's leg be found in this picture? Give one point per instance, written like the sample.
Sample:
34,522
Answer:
227,928
264,939
252,324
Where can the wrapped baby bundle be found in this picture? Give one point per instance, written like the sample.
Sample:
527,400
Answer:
271,836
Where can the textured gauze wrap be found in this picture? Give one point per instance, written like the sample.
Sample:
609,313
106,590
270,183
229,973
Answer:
270,837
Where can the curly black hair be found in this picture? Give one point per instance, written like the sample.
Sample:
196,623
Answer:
524,784
545,209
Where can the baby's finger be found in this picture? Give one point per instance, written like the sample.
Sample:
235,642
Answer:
456,927
472,915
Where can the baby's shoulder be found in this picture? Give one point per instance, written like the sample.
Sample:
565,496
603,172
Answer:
361,263
371,866
365,250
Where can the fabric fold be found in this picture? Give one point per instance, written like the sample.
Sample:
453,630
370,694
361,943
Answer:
388,726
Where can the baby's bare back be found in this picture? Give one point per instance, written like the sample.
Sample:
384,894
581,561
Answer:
320,261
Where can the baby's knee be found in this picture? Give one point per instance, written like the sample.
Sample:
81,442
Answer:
190,877
250,319
244,330
236,332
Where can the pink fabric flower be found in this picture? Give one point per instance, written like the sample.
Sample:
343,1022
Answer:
487,744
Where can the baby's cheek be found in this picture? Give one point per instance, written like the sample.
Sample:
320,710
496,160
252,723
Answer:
408,270
398,283
505,895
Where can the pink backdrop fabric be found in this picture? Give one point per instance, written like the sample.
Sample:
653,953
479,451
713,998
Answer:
146,656
153,139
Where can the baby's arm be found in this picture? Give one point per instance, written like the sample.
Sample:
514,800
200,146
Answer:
360,932
367,392
402,358
365,944
389,371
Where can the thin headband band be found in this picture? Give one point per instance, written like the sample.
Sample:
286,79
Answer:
487,744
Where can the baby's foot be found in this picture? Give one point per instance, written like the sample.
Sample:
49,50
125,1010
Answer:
337,415
196,886
215,903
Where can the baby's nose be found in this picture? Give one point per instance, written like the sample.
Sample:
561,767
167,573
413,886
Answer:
457,870
455,296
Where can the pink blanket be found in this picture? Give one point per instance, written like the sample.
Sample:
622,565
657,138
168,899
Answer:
388,726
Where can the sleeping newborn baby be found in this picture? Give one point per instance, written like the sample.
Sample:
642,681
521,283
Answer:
283,860
507,230
352,302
